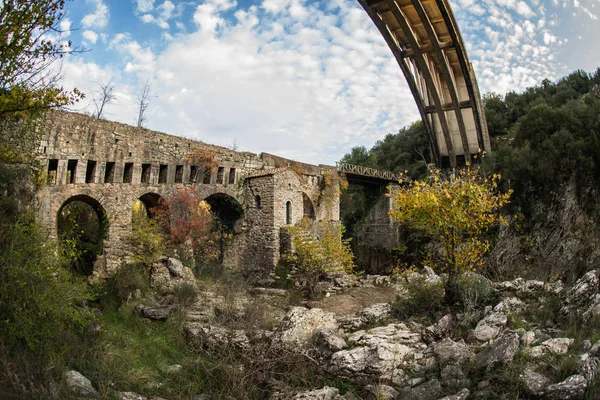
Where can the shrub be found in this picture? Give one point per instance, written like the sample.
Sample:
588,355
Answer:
40,299
185,295
456,210
473,292
123,284
423,298
314,256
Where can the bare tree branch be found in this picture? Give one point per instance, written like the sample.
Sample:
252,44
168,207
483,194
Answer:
104,96
144,97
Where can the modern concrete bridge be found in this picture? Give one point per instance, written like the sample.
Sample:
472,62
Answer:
424,38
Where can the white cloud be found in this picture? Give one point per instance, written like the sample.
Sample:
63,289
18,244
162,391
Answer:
98,18
144,6
90,36
309,80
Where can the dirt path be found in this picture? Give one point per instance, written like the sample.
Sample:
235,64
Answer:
355,299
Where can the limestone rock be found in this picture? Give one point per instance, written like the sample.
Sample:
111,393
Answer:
510,305
583,298
392,333
430,390
448,351
131,396
453,378
326,393
80,385
380,392
439,330
328,341
175,267
527,338
300,324
572,388
376,313
172,369
588,366
490,327
462,395
501,351
559,346
157,312
534,382
212,337
168,273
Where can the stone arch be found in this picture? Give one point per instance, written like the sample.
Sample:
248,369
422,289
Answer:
151,200
227,209
82,220
308,207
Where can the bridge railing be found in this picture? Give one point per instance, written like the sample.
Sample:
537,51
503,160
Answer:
366,171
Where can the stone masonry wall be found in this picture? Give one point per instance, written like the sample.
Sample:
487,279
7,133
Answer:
111,165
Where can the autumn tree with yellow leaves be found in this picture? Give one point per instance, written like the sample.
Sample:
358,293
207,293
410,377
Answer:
457,211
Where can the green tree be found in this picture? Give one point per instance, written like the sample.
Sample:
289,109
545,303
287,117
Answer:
30,43
318,251
457,211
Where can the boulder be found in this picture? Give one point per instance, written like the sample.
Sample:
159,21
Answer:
448,351
392,333
386,363
572,388
588,366
462,395
300,324
430,390
377,313
534,383
439,330
328,342
583,299
168,273
501,351
453,378
559,346
157,312
510,305
380,392
214,337
490,326
80,385
326,393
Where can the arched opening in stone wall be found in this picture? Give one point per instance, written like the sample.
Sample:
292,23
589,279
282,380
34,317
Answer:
288,212
144,209
148,203
82,225
226,209
309,208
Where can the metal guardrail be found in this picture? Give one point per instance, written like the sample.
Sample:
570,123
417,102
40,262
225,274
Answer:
366,171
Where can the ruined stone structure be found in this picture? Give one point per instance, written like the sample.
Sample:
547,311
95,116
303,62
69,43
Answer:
110,166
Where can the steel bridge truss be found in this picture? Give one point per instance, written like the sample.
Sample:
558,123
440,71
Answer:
367,172
425,40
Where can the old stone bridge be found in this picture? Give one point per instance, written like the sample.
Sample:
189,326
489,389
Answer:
110,166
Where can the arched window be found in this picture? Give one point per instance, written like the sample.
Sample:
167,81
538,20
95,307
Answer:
288,212
257,202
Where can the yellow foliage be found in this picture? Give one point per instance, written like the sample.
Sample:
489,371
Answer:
456,210
318,254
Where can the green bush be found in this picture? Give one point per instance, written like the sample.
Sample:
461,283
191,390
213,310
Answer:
423,298
185,295
474,292
123,284
40,299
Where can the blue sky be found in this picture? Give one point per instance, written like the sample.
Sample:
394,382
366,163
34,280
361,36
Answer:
304,79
